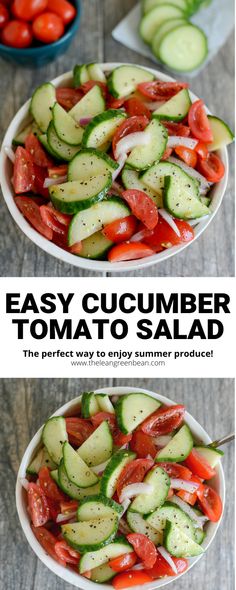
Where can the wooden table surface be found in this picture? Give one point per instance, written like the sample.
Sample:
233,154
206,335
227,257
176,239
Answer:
26,404
213,253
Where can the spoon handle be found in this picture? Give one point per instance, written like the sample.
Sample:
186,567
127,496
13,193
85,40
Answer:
222,441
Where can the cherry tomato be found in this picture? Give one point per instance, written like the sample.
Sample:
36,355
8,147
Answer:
35,148
142,444
120,439
78,430
210,503
133,472
163,236
187,496
58,222
28,9
201,150
175,470
187,155
142,206
48,541
68,97
55,171
129,251
48,27
17,34
37,504
68,506
49,486
131,578
130,125
199,465
164,420
65,552
23,171
144,548
212,167
64,9
134,106
31,212
4,16
176,128
97,419
158,90
198,122
161,568
120,230
123,562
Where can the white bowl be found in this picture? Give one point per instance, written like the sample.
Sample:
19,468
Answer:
77,580
21,118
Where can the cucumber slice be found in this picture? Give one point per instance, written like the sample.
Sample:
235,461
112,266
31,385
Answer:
90,162
76,469
20,138
102,573
90,535
180,202
183,49
113,470
222,134
41,105
44,141
149,4
178,544
95,73
124,80
55,477
89,404
104,403
80,75
76,195
90,105
71,489
98,446
97,558
59,148
155,17
164,28
141,157
42,459
137,524
176,108
145,503
173,514
131,179
205,201
199,536
213,456
95,247
154,178
92,220
54,436
65,126
98,507
178,448
133,408
102,128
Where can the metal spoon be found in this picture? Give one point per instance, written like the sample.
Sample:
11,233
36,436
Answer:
222,441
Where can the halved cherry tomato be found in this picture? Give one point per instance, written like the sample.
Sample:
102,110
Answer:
48,541
129,251
17,33
167,153
54,219
86,86
31,212
48,27
130,125
49,486
120,439
65,552
201,150
55,171
161,567
68,506
187,496
210,503
144,548
158,90
198,122
133,472
97,419
131,578
164,420
134,106
199,465
37,504
175,470
4,16
28,9
78,430
143,445
68,97
163,236
176,128
120,230
212,167
64,9
35,148
123,562
142,206
187,155
23,171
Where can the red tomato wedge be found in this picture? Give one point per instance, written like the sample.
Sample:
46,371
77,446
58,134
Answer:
175,470
31,212
212,167
48,541
128,579
37,504
176,129
186,496
133,472
57,221
129,251
68,97
54,508
142,206
39,178
143,445
163,236
91,83
161,568
120,439
131,125
198,122
68,506
164,421
123,562
114,103
134,106
76,248
187,155
35,148
158,90
120,230
201,150
66,553
49,486
23,175
97,419
167,153
144,548
56,171
199,465
210,503
78,430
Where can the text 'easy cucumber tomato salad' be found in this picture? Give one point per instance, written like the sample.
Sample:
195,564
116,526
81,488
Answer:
120,490
119,167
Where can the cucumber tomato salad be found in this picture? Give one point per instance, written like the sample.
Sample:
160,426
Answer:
120,491
120,166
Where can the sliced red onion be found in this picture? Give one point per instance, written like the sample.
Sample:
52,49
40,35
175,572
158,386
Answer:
115,398
127,143
134,489
162,441
167,217
137,566
10,153
204,184
51,181
65,517
183,484
194,222
199,521
154,105
149,457
168,558
124,527
187,142
118,188
121,161
141,235
85,120
99,468
24,482
125,505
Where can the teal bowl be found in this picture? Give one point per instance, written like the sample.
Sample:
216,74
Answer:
41,54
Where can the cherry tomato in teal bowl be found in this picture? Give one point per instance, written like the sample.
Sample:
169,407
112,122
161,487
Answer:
44,49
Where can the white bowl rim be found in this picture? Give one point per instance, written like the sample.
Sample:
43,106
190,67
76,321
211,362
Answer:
67,575
85,263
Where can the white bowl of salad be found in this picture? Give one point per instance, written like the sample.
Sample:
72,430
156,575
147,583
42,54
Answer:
113,167
121,487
